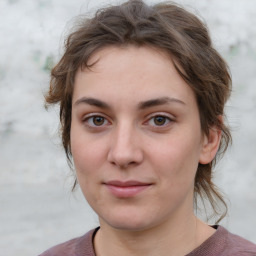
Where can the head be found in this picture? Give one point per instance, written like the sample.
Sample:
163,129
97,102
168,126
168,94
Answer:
175,32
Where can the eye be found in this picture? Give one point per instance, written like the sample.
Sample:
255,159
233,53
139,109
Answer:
159,120
95,121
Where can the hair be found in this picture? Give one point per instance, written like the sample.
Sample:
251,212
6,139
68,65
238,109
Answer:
181,35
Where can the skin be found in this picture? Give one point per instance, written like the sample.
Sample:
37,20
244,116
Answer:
134,118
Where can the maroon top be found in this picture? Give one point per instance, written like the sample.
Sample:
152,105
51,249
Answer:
221,243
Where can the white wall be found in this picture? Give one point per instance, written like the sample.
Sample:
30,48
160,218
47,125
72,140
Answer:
36,208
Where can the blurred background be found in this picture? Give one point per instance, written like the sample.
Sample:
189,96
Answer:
37,208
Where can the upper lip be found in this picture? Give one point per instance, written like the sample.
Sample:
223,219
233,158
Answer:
128,183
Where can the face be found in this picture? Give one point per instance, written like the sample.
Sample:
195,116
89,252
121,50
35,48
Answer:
135,138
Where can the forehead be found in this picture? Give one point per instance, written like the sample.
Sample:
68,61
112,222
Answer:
129,57
131,71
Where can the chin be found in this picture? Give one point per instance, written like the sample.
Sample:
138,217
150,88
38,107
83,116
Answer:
129,226
129,222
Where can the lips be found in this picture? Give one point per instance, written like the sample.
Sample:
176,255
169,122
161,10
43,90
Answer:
126,189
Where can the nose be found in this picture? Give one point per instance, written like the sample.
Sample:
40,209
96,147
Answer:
125,147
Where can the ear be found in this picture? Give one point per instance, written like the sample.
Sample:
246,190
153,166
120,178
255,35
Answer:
210,145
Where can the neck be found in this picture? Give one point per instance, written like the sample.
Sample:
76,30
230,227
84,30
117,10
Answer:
168,238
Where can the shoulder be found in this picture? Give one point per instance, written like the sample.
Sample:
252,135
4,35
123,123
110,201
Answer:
224,243
236,245
77,246
67,248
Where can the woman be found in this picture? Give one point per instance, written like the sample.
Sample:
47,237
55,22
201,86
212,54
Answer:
142,94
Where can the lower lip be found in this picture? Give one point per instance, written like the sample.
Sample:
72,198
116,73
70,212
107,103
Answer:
126,192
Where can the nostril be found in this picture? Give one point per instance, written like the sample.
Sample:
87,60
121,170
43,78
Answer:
127,165
125,159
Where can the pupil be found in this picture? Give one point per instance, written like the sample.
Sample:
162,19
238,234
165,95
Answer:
98,120
159,120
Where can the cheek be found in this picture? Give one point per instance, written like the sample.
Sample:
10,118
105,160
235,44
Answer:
89,153
82,156
177,158
83,147
85,159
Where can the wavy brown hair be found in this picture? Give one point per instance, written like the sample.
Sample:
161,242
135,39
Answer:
167,27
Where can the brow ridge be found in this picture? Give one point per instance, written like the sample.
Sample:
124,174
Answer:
92,102
142,105
158,102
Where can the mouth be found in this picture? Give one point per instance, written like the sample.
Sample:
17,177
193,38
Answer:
126,189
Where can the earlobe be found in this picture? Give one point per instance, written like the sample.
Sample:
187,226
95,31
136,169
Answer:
210,145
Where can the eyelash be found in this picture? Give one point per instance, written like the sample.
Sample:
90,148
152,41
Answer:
168,121
166,118
89,120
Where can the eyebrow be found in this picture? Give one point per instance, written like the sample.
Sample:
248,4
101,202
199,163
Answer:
92,102
141,105
158,102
